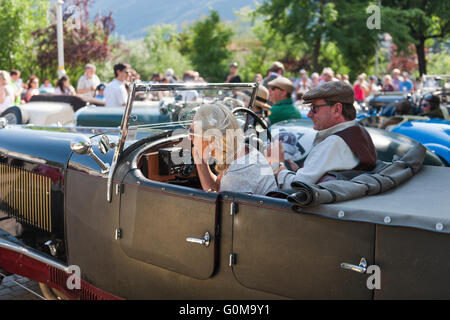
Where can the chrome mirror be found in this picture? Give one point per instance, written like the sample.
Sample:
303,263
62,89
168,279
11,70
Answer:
105,145
83,145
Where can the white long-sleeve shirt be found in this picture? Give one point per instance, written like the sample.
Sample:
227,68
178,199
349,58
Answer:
329,153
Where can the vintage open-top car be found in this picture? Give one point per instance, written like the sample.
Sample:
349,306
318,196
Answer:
137,224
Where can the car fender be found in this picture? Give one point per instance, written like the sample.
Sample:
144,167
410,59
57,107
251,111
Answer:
442,151
48,113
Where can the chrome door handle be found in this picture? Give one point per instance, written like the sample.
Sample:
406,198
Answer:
362,268
205,241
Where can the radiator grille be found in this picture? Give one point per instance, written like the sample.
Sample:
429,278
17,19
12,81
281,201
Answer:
26,196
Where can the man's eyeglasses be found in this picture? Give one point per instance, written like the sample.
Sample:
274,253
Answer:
315,107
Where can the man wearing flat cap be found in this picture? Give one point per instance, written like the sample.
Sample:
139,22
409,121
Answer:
340,143
280,91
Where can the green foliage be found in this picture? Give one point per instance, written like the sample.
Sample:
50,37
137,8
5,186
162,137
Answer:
159,51
439,63
205,43
17,21
415,21
258,46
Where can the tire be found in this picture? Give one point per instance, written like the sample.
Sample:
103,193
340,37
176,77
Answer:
13,115
50,293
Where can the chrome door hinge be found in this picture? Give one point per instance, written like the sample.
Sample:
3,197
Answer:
119,189
232,259
118,234
234,208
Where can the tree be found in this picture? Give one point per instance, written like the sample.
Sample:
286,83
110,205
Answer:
259,46
416,21
307,21
355,41
205,43
17,20
84,42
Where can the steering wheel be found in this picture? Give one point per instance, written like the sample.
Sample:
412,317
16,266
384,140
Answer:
256,118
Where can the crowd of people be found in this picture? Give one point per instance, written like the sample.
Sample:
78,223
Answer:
14,91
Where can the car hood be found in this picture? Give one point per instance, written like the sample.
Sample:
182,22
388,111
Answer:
51,145
430,131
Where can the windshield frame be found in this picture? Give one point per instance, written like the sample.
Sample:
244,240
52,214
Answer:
148,87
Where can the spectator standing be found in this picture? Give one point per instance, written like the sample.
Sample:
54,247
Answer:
189,76
315,80
7,92
115,92
17,83
170,76
406,85
327,75
88,82
258,78
388,86
304,83
361,90
233,77
396,79
33,88
373,86
63,87
346,78
100,92
46,86
274,72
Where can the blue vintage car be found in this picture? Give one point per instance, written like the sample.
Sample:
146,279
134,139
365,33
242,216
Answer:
432,133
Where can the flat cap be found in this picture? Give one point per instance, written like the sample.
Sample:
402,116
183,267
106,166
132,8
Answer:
336,91
282,83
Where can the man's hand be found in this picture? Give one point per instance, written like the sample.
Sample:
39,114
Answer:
275,152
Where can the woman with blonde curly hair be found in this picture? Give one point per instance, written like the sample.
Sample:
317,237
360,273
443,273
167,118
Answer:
7,93
216,133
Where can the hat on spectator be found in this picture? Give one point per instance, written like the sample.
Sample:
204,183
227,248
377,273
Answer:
337,91
278,65
396,71
282,83
262,97
234,64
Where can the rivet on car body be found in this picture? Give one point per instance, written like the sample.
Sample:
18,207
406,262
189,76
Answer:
439,226
387,220
341,214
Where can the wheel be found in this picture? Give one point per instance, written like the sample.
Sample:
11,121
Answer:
13,115
50,293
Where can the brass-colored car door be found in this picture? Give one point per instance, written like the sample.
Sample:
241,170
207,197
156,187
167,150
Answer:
298,255
168,226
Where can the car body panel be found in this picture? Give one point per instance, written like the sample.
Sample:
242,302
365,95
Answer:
112,116
158,236
434,134
47,113
299,255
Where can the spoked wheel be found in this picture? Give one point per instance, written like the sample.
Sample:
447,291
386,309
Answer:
51,294
12,115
